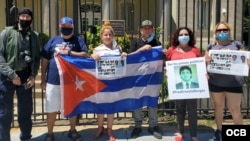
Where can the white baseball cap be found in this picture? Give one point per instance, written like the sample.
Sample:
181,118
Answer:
146,23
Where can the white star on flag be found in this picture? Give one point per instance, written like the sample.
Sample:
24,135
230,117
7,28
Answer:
79,84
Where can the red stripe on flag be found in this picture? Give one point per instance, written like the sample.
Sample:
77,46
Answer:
77,85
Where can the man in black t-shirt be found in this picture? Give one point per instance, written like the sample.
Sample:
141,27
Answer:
145,42
147,39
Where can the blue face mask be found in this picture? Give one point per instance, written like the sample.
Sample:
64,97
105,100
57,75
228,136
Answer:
183,39
222,36
151,37
66,31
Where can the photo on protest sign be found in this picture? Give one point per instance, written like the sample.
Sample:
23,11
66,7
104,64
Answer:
111,67
187,79
228,62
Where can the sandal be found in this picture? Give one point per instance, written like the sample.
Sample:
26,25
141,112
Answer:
74,135
49,137
99,133
111,137
179,137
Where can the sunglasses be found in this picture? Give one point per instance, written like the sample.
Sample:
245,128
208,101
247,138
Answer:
223,29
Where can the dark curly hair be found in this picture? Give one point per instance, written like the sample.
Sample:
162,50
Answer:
174,39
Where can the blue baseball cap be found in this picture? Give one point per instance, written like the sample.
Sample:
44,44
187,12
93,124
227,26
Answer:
66,20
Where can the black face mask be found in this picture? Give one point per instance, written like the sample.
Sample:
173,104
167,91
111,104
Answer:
24,23
66,31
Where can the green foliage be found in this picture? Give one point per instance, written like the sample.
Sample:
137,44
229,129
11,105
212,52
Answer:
246,23
158,32
124,42
164,89
44,38
93,40
166,44
246,80
246,19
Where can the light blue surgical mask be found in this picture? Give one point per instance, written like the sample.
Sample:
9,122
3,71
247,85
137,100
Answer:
151,37
222,36
183,39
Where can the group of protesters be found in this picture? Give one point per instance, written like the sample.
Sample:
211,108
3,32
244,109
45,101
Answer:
21,57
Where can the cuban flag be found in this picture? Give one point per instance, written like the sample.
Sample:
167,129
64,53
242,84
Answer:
83,92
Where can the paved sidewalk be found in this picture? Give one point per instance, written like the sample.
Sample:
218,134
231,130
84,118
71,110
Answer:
122,129
122,133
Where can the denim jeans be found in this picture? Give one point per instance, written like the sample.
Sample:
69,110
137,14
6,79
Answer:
152,114
24,107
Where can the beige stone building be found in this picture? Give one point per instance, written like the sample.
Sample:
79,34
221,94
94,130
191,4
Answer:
200,15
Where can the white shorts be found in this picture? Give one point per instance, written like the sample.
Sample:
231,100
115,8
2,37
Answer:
53,98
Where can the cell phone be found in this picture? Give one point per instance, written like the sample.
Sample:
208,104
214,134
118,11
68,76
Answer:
25,85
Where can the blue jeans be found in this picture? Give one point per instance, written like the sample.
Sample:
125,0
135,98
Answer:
24,107
152,114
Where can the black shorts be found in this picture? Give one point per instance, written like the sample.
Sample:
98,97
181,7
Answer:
214,88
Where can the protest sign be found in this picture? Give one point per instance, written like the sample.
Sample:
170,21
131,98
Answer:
110,67
187,79
228,62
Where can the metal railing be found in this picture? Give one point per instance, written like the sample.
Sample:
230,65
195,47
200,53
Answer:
166,14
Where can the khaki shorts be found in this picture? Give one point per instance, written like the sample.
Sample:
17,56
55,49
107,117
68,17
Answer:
53,98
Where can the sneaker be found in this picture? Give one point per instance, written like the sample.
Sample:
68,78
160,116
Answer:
217,135
135,133
156,132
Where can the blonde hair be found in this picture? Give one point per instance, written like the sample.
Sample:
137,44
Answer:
106,25
224,23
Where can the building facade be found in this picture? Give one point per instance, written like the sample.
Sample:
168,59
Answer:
199,15
167,15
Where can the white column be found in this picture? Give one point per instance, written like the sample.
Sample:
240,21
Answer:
165,18
49,24
107,9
